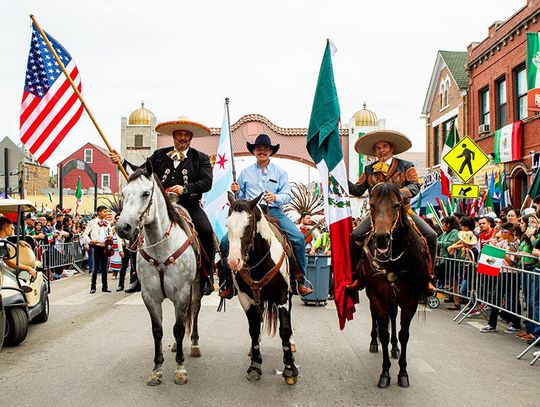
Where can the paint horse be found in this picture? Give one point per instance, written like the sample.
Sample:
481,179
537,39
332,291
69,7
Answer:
394,259
260,265
166,264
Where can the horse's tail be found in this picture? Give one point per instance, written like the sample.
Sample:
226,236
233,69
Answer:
270,318
188,318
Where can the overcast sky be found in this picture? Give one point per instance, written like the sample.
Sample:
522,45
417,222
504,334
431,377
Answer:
185,57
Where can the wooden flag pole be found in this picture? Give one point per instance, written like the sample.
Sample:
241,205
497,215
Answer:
66,73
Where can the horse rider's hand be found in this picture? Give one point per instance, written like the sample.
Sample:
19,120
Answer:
235,187
115,157
177,189
269,197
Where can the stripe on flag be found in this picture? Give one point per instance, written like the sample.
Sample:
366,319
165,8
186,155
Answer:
50,106
491,260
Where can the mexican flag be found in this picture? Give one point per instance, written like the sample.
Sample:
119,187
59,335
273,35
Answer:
418,204
50,195
78,194
451,140
491,260
533,71
323,145
507,141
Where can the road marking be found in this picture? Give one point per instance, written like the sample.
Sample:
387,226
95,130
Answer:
77,299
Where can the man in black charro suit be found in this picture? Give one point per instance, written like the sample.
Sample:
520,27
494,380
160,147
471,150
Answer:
188,173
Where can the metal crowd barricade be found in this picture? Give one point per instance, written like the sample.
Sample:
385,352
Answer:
455,277
515,291
62,254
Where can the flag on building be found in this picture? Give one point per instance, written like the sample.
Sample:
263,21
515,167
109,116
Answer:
78,195
507,143
216,201
491,260
323,145
451,140
50,107
533,71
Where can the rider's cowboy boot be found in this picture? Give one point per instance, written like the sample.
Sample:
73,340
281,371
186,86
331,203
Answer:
302,288
226,290
358,282
206,286
134,287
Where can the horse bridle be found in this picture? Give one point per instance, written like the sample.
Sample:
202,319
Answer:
245,272
394,226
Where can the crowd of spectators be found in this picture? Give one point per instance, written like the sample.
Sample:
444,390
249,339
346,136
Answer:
463,238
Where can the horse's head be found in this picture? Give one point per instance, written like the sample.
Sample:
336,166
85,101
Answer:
244,216
387,212
137,198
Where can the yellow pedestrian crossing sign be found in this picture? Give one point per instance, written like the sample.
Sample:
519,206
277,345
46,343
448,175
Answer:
465,191
466,159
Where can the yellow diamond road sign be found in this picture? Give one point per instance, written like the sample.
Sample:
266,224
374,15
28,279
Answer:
466,159
465,191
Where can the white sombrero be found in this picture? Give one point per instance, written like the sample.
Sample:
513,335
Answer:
183,123
366,143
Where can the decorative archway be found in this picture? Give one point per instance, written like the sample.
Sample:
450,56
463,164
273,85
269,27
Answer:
71,165
519,184
292,140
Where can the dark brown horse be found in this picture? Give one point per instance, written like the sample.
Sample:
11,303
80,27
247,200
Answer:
394,260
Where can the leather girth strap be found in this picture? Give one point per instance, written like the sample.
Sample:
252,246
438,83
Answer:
256,286
170,260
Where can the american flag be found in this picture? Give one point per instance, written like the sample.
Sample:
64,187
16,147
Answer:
50,107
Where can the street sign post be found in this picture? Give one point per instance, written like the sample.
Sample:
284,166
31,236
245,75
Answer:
466,159
465,191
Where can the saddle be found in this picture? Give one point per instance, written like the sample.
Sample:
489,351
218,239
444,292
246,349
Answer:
286,243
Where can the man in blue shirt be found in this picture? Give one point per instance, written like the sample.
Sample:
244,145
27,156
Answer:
273,182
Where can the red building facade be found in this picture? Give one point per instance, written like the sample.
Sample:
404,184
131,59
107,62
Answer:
497,93
98,159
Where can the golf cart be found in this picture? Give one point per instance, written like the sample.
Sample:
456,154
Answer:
20,307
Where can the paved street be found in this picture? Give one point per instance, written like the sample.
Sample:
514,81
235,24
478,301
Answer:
96,350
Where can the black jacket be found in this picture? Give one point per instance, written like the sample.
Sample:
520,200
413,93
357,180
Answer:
193,173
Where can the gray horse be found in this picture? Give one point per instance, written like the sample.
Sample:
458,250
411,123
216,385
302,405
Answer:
166,265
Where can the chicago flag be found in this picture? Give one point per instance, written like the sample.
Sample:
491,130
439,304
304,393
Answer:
324,147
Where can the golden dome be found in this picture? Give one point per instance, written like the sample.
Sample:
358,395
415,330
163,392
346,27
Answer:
141,116
366,118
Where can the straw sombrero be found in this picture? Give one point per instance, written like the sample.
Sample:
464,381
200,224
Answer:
366,143
467,237
183,123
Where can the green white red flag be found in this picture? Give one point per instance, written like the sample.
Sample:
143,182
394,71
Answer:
507,143
323,145
78,194
533,71
451,140
491,260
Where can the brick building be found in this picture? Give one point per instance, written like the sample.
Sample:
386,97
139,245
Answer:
98,159
497,93
446,99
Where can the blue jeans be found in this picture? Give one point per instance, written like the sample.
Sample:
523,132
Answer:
295,236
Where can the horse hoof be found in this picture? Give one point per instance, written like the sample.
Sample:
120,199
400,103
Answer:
154,378
291,381
293,347
395,354
195,351
253,376
384,382
373,348
403,381
173,347
180,376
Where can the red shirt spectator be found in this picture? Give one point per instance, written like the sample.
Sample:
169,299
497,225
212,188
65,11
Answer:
487,230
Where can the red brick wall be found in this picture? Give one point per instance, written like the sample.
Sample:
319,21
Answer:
498,55
101,164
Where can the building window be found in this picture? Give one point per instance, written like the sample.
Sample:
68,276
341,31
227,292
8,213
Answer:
520,104
138,140
500,87
105,181
88,152
484,106
436,146
444,93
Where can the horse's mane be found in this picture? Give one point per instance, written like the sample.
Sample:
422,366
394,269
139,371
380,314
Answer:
415,253
171,210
